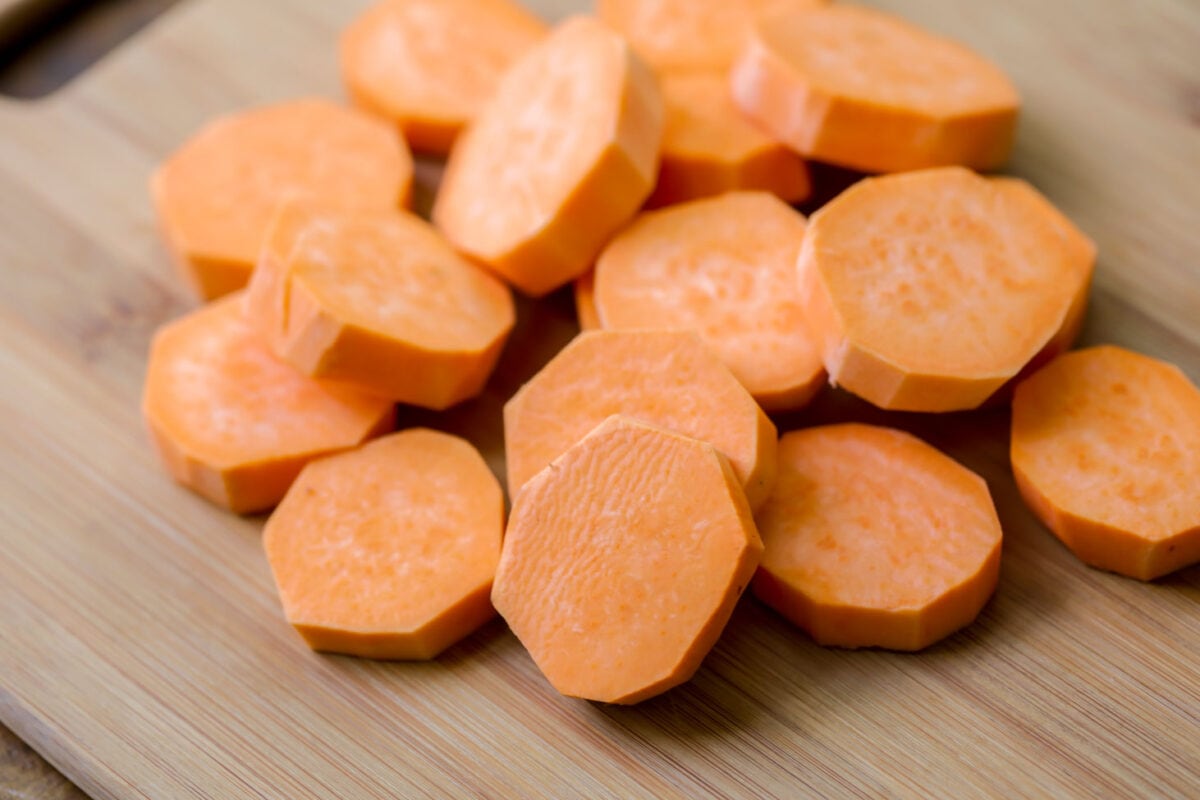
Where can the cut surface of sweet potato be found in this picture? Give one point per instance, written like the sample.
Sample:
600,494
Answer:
623,561
234,423
389,550
216,194
1106,451
875,539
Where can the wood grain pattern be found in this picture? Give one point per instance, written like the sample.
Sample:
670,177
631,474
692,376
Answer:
142,650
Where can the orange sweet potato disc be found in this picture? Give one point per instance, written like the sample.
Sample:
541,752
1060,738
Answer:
724,267
927,291
216,195
709,147
623,561
875,539
1106,451
234,423
561,156
664,378
863,89
389,551
428,65
378,300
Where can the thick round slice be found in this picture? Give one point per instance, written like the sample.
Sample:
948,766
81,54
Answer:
1106,451
380,301
710,148
429,65
623,561
234,423
927,291
860,88
389,551
664,378
561,156
689,34
216,195
875,539
726,268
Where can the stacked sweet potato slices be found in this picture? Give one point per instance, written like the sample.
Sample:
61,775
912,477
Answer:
646,158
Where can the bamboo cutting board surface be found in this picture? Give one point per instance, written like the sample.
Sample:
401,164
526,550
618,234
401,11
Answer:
142,650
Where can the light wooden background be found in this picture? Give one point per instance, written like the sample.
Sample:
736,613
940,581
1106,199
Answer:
141,647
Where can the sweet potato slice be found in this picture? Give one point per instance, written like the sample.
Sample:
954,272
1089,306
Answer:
689,34
1106,451
927,291
724,267
561,156
710,148
623,561
378,300
217,193
665,378
429,65
860,88
234,423
389,550
875,539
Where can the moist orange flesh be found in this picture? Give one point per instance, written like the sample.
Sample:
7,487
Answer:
1106,449
710,148
389,551
725,268
394,56
563,153
623,561
380,301
689,34
234,421
218,193
879,58
863,89
873,538
928,290
664,378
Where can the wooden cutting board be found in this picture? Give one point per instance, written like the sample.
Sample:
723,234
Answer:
142,650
